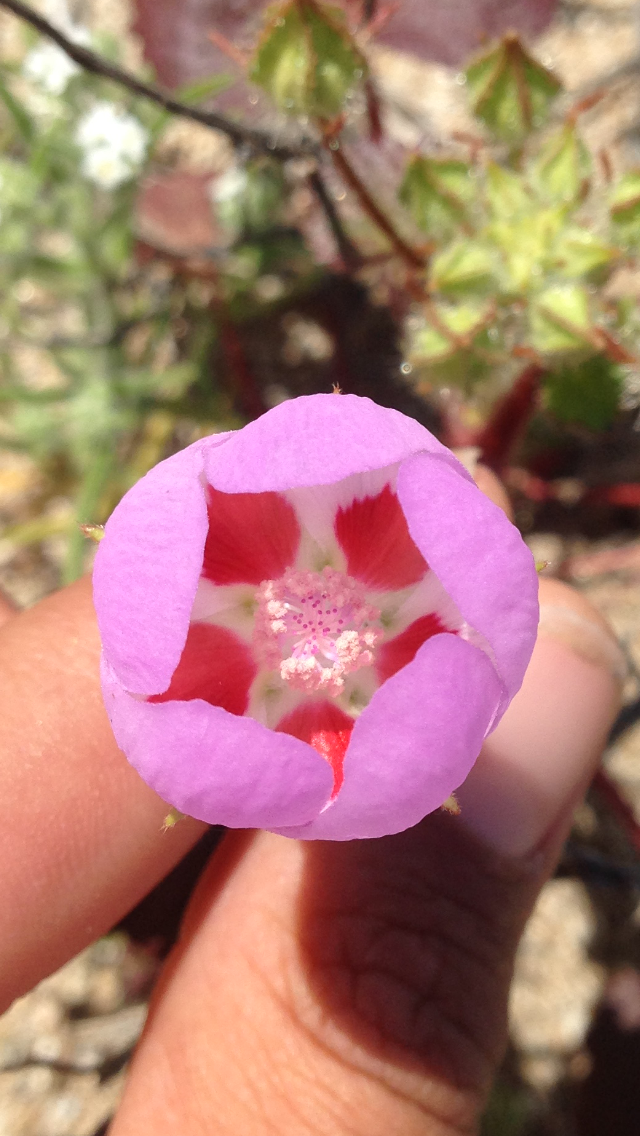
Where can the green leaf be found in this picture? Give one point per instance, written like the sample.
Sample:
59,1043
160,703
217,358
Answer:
578,253
449,330
561,166
624,199
465,266
507,194
509,90
560,320
526,245
19,115
19,186
587,393
307,60
194,93
437,192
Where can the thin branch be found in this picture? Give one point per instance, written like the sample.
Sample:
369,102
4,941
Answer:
257,140
413,258
351,257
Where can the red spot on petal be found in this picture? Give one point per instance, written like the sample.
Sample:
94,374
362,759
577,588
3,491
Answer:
396,653
326,728
215,666
252,537
375,539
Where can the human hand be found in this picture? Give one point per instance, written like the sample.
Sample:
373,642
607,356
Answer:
323,988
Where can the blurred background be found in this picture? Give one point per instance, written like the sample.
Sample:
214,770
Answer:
433,204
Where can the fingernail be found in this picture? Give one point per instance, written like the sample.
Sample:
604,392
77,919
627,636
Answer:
539,761
586,638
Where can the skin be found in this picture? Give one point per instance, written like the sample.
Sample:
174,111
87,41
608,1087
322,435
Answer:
319,989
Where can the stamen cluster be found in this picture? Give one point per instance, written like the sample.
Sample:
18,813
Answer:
315,628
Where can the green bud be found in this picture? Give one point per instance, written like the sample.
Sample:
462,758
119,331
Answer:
437,192
306,58
509,90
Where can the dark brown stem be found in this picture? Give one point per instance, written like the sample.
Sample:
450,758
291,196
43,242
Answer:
351,256
256,140
413,258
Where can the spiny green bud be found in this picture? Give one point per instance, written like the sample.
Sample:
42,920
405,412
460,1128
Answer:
307,59
562,165
510,91
437,191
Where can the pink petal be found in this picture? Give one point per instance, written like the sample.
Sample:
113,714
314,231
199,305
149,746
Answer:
316,440
396,653
252,537
374,537
414,744
324,726
216,766
216,666
479,558
147,569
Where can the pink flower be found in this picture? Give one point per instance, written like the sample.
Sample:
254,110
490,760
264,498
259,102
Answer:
309,625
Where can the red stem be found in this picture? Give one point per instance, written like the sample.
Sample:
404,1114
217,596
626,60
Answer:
509,419
414,259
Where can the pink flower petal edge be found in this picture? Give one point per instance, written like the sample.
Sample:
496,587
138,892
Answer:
209,763
317,440
479,557
409,752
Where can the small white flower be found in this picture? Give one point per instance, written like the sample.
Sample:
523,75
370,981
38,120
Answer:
229,185
114,144
105,167
49,67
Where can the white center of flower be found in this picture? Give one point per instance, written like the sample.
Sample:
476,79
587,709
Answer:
315,628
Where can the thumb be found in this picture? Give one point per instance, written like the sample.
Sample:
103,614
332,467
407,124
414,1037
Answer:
361,988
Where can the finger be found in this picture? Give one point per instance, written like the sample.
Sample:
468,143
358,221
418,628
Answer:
361,987
81,836
543,754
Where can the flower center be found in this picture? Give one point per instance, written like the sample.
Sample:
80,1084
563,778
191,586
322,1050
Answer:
315,628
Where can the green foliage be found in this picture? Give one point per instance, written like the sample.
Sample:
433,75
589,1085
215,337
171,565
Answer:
97,382
560,319
464,266
522,249
561,167
587,393
437,192
624,206
307,60
510,91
